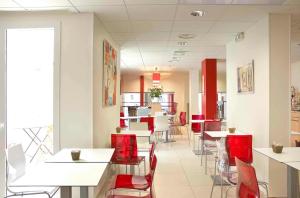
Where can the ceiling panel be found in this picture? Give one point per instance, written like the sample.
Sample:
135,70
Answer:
152,36
123,36
292,2
259,2
152,44
118,26
195,26
8,4
151,26
212,13
149,2
244,13
96,2
212,2
107,13
151,12
43,3
230,27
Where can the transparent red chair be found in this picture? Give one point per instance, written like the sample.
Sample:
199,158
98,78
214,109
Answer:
122,121
209,143
133,182
182,123
236,146
247,186
197,130
126,151
150,121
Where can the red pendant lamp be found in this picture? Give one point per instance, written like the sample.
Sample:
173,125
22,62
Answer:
156,77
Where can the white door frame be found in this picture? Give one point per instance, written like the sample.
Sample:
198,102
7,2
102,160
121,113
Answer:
3,90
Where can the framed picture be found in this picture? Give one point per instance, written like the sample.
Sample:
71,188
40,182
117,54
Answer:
109,74
245,78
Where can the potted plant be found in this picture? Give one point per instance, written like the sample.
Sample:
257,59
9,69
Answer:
155,93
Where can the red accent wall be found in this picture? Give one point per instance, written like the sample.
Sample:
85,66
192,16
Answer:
209,88
142,90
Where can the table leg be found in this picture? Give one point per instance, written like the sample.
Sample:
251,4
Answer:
132,169
292,183
84,192
167,137
66,192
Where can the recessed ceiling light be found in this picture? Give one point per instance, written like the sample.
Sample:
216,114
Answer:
197,13
182,43
186,36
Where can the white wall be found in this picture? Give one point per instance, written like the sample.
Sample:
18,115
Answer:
105,118
252,112
194,92
295,75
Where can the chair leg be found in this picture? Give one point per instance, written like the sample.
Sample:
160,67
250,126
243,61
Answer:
205,163
145,166
214,182
226,194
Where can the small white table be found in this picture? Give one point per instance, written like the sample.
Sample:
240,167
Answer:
290,156
223,134
65,176
95,155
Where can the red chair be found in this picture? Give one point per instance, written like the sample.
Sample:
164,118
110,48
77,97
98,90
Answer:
150,121
209,143
142,183
247,186
182,123
196,129
122,121
236,146
126,152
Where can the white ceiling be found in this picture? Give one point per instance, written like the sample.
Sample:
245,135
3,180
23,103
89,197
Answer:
147,30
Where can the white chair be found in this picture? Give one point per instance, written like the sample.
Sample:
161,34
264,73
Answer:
159,113
161,124
16,168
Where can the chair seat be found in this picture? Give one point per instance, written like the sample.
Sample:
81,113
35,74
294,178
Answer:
128,161
132,182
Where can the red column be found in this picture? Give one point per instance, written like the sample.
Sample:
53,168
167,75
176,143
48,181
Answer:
209,88
142,90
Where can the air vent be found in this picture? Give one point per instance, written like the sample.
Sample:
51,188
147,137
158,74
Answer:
186,36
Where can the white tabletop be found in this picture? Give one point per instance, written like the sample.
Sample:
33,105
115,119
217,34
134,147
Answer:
62,174
197,121
223,134
138,117
295,165
138,133
289,154
95,155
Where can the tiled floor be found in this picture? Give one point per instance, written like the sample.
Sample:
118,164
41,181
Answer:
179,173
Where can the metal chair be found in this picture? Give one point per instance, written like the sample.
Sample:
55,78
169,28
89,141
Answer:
16,165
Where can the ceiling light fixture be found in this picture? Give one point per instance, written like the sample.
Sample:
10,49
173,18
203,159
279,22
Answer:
239,37
186,36
182,43
197,13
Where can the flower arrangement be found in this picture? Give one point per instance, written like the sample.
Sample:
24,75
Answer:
155,92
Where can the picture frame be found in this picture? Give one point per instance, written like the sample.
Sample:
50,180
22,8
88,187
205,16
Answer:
245,78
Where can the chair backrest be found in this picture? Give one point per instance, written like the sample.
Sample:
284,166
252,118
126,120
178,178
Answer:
182,118
150,179
211,125
122,121
239,146
125,145
16,161
151,153
161,123
138,126
196,127
150,121
247,186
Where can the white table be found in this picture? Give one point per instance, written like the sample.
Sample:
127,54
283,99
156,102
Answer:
65,176
223,134
290,156
95,155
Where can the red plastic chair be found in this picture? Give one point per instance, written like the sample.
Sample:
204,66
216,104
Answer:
150,121
126,151
122,121
209,143
133,182
182,123
247,186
